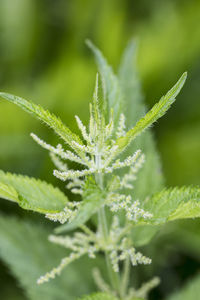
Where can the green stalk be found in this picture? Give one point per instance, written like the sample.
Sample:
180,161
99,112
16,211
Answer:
103,226
125,277
114,277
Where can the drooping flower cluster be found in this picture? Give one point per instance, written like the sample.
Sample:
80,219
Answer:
90,243
67,215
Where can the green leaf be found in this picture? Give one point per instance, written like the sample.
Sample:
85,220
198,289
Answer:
98,296
129,81
31,193
157,111
112,93
172,204
8,192
188,292
44,115
150,178
25,248
93,199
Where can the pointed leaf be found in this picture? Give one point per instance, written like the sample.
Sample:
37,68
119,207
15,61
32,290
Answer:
172,204
157,111
44,115
150,178
112,93
93,199
31,193
129,80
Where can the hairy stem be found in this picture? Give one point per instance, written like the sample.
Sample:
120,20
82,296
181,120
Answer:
125,277
114,277
103,227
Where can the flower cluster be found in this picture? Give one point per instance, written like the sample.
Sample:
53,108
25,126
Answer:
90,243
120,247
67,215
132,208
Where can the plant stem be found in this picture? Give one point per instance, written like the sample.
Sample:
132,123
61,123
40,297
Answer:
114,277
103,227
125,276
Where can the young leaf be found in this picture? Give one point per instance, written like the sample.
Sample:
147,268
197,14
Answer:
188,292
157,111
31,193
172,204
93,199
112,93
25,248
44,115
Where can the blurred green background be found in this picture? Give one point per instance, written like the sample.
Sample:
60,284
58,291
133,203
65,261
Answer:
43,57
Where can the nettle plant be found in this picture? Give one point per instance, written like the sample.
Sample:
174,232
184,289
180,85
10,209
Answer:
123,201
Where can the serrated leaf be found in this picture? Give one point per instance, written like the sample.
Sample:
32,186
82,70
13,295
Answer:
129,81
112,93
8,192
150,178
93,199
172,204
31,193
25,248
157,111
188,292
98,296
44,115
